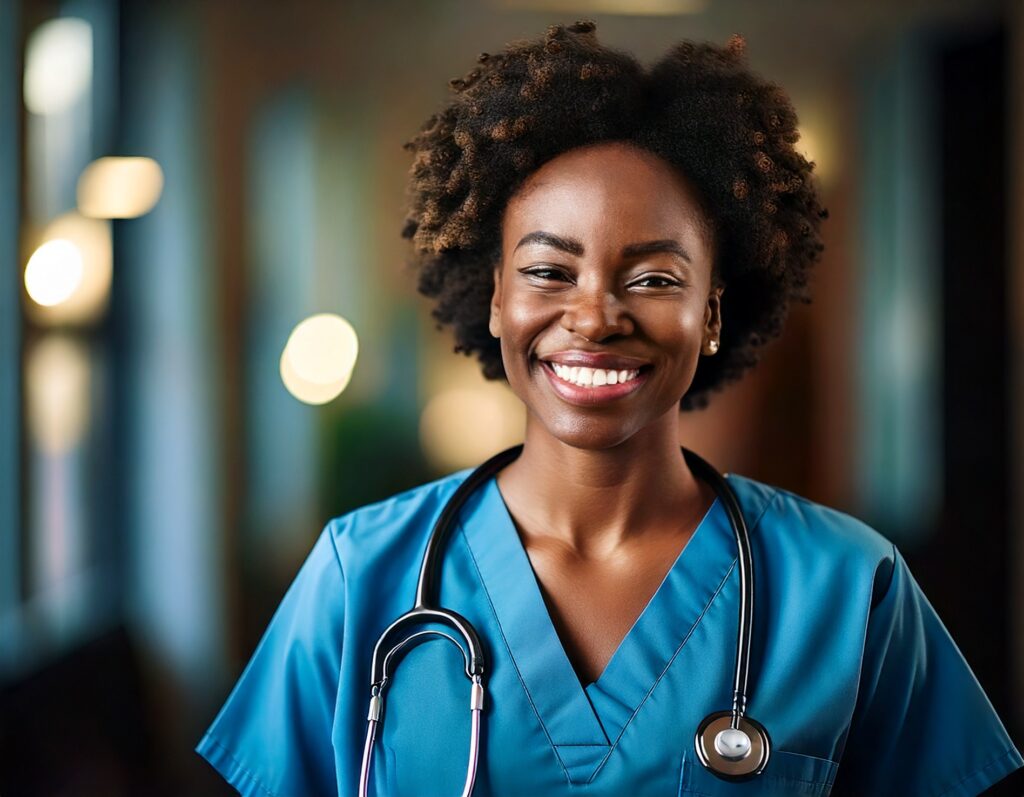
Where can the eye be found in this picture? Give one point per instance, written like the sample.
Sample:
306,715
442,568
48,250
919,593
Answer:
660,282
545,273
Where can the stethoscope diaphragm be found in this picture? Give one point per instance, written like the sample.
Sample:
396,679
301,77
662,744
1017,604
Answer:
732,753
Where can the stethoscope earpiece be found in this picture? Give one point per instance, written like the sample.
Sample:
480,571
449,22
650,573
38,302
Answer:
732,753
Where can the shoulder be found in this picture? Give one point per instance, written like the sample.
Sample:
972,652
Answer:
786,514
398,522
811,535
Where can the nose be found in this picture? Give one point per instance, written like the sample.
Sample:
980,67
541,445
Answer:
596,314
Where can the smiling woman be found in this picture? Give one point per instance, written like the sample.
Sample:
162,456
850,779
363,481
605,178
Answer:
699,109
605,242
616,243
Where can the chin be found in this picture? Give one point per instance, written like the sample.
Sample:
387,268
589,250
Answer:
593,434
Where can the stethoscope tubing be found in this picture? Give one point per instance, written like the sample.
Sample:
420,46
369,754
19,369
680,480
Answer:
426,594
426,610
744,559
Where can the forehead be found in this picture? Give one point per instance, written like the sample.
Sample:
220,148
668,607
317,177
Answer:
615,188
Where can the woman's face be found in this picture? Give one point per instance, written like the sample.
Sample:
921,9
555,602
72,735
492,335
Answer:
606,262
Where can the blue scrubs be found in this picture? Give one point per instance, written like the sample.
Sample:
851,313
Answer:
856,680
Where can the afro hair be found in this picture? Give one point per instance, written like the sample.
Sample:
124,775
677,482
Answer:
700,108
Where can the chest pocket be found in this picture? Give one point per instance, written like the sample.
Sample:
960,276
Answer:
786,775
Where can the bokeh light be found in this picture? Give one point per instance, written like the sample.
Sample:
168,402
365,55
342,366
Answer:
815,144
54,272
89,298
317,361
119,188
58,65
462,426
57,393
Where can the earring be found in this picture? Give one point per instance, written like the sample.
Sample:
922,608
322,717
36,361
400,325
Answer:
712,346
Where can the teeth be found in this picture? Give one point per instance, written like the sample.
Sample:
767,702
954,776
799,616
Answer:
593,377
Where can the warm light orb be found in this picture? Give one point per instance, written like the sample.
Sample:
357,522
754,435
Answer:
305,391
119,188
58,65
54,272
318,359
463,426
89,300
57,378
815,144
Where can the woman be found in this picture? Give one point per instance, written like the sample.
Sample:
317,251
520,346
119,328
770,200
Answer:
617,243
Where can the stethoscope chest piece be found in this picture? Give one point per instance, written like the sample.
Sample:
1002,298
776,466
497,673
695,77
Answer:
732,753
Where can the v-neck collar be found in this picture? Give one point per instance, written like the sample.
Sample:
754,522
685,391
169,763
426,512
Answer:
584,724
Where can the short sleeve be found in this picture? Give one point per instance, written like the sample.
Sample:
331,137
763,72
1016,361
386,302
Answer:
272,738
923,726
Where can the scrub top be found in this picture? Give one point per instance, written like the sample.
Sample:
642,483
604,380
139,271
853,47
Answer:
859,685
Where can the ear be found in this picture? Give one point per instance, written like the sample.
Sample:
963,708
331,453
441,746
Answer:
713,315
494,324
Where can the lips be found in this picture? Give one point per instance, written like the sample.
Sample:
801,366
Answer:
590,395
586,359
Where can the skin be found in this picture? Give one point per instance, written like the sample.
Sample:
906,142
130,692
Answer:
601,497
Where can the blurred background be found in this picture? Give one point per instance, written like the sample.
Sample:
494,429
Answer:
210,343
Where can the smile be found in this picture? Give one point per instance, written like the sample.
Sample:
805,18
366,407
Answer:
593,377
586,386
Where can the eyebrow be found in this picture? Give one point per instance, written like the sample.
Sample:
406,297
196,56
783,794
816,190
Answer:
575,247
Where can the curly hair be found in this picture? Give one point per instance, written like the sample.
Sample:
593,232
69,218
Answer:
700,108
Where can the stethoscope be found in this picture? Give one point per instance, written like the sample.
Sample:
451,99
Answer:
729,743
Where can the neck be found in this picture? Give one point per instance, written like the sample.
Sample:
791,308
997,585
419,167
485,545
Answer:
595,501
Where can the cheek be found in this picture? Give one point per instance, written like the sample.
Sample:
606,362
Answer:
515,342
675,325
522,320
